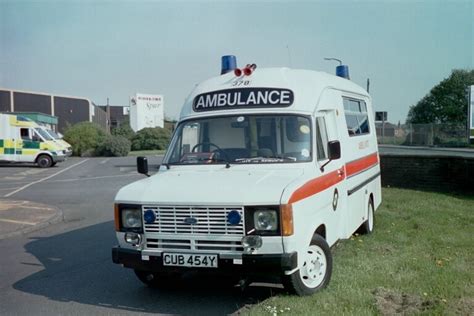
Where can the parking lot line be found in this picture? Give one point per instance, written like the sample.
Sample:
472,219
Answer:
4,189
43,179
16,222
94,178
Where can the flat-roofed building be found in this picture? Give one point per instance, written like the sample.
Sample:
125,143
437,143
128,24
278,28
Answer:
68,109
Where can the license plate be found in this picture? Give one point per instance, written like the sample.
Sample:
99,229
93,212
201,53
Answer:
189,260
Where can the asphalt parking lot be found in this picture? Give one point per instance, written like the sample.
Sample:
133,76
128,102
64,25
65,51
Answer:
56,234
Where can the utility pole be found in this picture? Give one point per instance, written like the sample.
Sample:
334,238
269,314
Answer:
107,117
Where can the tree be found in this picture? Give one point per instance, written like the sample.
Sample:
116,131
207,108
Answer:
123,130
446,102
84,137
151,138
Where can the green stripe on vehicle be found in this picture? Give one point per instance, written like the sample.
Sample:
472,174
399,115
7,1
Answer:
9,151
1,143
27,144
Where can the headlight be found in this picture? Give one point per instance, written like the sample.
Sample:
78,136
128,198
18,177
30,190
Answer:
131,218
265,220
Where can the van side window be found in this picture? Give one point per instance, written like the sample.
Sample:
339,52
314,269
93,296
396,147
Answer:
25,133
357,119
321,139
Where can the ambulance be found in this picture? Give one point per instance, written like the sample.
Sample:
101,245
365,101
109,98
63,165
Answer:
58,138
266,171
23,140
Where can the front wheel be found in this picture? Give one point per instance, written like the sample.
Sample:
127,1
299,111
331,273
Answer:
44,161
316,271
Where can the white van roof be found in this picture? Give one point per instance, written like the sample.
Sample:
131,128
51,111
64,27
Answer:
306,85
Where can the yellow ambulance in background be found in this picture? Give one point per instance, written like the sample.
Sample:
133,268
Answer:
59,139
23,140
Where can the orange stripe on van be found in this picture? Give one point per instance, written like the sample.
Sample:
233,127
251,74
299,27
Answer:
319,184
361,164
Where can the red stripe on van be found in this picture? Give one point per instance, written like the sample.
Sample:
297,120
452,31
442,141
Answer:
361,164
317,185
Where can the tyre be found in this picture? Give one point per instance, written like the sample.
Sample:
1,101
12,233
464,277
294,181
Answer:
44,161
53,164
154,279
316,271
368,226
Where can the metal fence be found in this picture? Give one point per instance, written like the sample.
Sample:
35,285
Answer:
442,135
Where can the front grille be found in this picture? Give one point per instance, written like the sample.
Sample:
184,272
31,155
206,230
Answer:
209,221
210,233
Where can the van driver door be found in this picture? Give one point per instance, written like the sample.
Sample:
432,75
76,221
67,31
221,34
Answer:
333,171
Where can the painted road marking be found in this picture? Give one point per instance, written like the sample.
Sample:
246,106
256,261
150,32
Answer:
31,172
93,178
43,179
4,189
17,222
104,161
13,178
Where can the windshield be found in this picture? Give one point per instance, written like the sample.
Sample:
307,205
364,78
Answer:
242,139
53,134
43,134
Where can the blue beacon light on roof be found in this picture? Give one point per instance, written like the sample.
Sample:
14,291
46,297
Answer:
229,63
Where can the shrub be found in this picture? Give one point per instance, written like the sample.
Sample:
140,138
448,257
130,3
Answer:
84,138
114,146
124,130
151,138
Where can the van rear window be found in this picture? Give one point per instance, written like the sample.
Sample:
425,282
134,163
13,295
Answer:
357,119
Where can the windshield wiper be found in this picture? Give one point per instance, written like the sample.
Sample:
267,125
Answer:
265,159
201,159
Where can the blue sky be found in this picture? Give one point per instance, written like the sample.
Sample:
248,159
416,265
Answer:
100,49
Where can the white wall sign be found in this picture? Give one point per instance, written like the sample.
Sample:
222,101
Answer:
146,110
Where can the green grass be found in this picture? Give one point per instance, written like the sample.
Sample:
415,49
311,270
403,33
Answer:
146,153
420,256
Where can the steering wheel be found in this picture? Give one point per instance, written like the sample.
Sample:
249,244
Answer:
214,145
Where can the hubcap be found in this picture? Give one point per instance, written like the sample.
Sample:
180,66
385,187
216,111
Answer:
314,268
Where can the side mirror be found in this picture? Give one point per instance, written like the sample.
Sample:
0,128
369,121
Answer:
334,152
142,165
334,148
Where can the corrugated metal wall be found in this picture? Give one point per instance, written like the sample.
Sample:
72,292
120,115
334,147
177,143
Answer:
69,110
100,117
5,101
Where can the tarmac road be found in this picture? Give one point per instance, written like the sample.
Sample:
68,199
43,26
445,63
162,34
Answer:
66,268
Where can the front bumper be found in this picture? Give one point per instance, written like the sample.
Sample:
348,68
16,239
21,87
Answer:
265,264
59,158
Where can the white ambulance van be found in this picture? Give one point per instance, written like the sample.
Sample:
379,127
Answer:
267,169
23,140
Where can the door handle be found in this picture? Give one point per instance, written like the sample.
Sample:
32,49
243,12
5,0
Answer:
340,172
